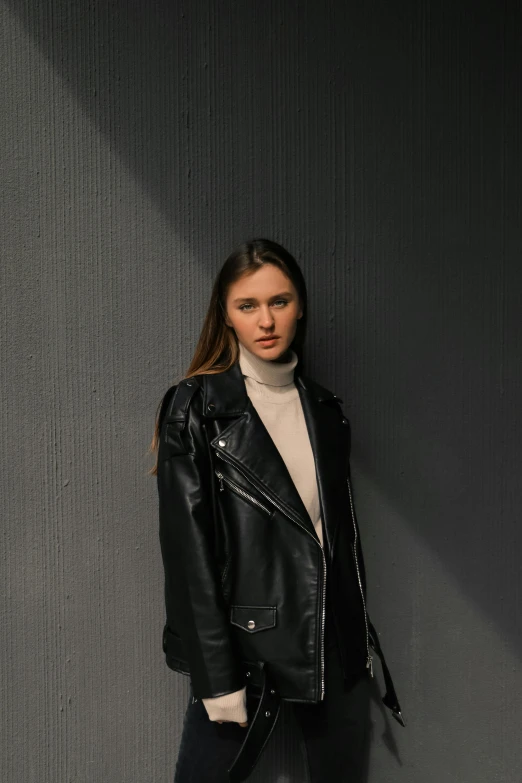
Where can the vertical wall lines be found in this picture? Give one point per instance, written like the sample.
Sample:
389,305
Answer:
380,142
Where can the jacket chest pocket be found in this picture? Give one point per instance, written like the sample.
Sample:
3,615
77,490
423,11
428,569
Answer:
247,496
253,618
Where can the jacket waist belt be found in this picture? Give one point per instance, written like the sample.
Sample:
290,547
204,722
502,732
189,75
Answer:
259,730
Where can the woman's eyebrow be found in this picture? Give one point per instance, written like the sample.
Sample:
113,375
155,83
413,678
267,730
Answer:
253,298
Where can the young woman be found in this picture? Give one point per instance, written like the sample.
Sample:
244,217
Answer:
265,585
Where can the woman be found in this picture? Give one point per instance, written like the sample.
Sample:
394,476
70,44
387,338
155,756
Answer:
264,578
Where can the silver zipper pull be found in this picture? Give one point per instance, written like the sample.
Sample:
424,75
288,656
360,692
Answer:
220,477
369,664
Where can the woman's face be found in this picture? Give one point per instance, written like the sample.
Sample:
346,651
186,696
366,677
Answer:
264,304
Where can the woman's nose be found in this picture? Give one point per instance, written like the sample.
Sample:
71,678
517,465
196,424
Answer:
266,319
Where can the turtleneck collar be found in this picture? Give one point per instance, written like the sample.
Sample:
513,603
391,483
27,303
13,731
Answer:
266,371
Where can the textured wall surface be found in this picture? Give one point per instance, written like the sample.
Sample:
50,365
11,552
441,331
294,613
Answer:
140,142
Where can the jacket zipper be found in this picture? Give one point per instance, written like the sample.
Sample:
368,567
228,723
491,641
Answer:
282,510
236,488
369,659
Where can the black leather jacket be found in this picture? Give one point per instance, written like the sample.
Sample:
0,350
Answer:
245,573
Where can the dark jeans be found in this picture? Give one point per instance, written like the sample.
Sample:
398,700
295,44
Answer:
336,731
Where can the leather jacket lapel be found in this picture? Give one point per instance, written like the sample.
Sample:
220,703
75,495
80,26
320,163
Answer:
330,448
246,443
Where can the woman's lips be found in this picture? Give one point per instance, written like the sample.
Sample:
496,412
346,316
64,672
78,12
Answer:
269,341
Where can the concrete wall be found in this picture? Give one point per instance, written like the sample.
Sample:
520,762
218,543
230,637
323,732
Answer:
140,142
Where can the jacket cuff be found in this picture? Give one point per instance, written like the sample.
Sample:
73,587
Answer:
230,707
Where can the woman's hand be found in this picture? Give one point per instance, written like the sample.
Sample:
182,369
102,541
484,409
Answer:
232,721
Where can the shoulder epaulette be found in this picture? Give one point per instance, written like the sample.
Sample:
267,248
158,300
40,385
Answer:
180,400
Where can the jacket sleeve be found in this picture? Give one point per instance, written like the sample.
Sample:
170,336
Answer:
348,452
196,611
360,556
390,698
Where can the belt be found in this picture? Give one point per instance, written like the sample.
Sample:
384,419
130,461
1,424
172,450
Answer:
390,699
268,709
261,726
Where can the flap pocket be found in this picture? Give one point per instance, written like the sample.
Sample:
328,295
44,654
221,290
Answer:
253,618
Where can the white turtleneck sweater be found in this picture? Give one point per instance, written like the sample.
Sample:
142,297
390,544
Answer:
272,391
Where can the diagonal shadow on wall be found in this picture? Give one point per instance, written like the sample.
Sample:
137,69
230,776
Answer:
403,161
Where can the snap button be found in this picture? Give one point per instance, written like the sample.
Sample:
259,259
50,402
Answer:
345,421
251,624
272,691
267,714
188,384
210,406
222,443
247,674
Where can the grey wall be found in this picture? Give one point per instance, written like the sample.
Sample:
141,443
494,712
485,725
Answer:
140,142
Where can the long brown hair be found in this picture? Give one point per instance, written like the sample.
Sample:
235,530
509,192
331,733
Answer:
217,348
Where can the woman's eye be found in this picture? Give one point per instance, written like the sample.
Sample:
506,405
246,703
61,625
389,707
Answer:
284,301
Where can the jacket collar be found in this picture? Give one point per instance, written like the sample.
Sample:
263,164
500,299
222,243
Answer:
244,440
226,393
